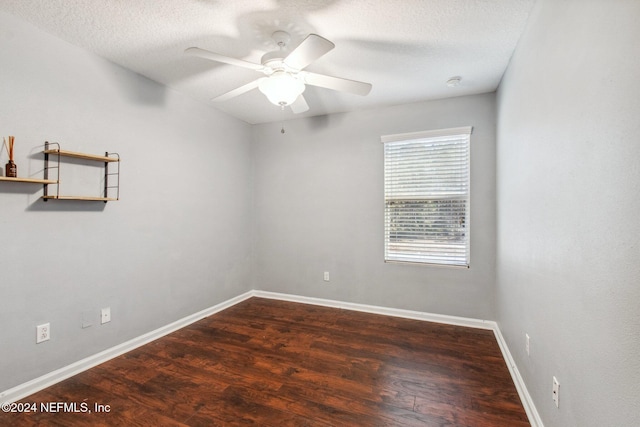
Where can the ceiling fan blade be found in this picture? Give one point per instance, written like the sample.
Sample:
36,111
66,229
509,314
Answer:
337,83
311,48
238,91
202,53
299,105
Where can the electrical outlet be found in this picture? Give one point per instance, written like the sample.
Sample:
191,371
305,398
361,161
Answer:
526,343
106,315
326,276
556,392
43,333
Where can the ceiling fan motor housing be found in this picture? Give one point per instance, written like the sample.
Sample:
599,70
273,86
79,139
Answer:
274,60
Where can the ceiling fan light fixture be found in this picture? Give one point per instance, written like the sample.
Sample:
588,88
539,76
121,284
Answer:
281,88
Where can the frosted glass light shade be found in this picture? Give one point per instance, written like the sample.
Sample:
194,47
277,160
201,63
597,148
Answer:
281,88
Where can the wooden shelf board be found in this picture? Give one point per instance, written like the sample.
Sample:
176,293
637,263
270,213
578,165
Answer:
29,180
93,199
82,155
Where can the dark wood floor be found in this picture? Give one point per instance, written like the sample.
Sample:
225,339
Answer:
273,363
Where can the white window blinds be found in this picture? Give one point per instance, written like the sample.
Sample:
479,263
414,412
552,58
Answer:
426,192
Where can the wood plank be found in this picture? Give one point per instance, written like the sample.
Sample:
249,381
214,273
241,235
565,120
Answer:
274,363
85,198
84,156
28,180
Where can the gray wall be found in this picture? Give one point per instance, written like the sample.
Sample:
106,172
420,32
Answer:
196,185
319,207
177,242
568,177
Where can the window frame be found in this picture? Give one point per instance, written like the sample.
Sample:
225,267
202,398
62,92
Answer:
433,137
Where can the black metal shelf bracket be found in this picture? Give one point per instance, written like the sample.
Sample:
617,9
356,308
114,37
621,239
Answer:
47,166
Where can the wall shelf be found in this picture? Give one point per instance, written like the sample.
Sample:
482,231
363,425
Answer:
67,153
86,198
107,159
28,180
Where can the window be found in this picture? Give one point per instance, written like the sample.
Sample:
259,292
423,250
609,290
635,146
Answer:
426,197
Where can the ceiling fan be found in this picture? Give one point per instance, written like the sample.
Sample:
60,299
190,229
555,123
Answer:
285,78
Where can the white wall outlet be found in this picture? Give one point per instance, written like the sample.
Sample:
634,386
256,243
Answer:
556,392
326,276
526,343
43,333
106,315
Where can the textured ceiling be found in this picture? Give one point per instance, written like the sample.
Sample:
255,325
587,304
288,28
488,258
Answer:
407,49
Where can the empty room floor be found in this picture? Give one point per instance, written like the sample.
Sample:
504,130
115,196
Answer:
267,362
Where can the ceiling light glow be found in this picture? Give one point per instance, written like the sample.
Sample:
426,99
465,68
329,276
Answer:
281,88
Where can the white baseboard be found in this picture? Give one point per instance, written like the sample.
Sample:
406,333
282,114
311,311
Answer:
525,397
23,390
26,389
407,314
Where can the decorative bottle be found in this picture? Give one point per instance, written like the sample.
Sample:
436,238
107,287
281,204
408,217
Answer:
11,169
